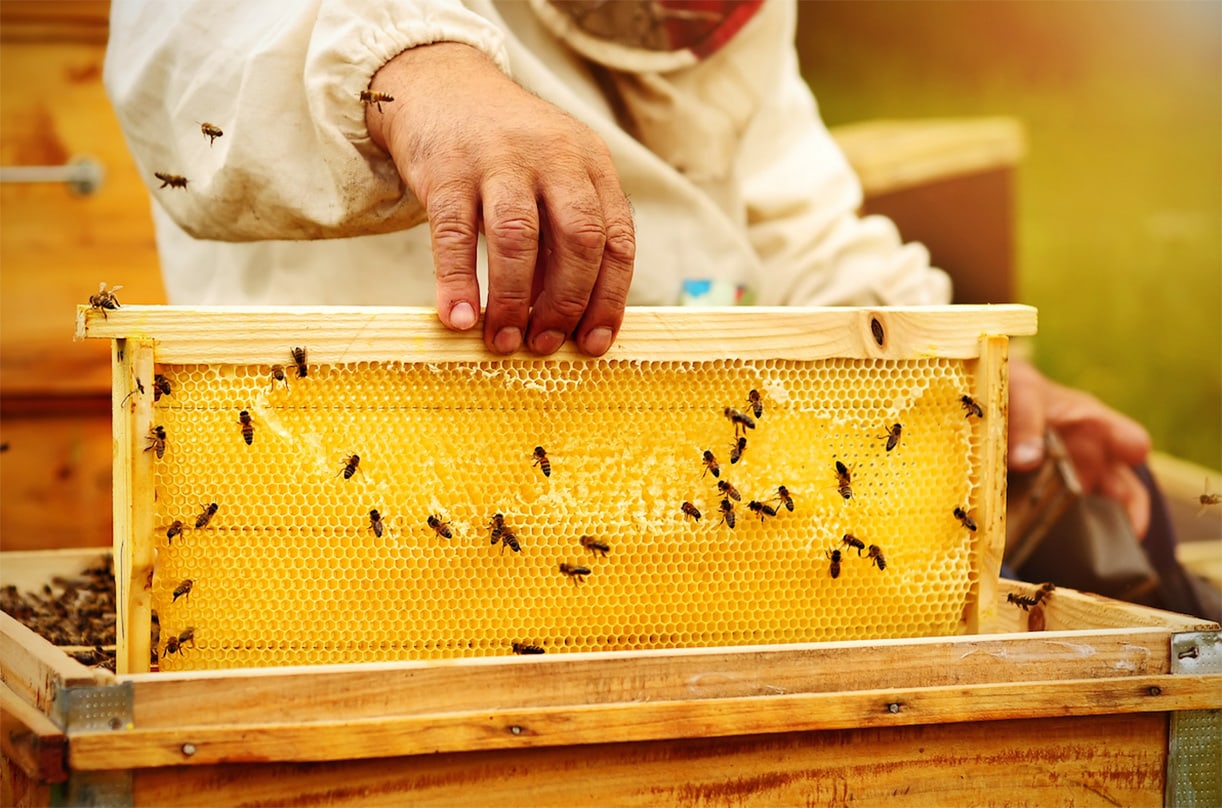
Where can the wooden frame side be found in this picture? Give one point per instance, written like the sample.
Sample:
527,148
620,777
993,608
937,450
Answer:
992,387
228,335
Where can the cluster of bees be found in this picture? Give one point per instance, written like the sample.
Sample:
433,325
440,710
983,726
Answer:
212,132
77,613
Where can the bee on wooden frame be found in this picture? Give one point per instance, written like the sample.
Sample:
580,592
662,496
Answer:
205,516
171,180
376,98
526,648
741,420
728,490
833,568
1023,602
161,387
105,299
875,554
540,460
690,510
737,449
299,359
761,509
278,376
756,403
971,406
711,464
211,131
156,439
248,427
577,574
893,435
967,521
441,528
596,546
375,523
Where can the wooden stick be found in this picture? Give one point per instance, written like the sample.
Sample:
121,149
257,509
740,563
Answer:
638,721
264,335
992,385
133,644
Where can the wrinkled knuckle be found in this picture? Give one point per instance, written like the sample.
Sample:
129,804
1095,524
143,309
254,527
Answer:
568,308
515,233
621,242
586,240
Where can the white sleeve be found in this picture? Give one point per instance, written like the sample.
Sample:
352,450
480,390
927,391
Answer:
282,80
802,199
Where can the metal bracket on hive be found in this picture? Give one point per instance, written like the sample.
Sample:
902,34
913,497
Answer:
1194,744
96,709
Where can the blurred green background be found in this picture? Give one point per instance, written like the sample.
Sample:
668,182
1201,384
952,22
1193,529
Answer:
1120,193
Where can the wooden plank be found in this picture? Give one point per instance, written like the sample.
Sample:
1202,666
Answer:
229,335
283,695
61,21
34,668
134,509
31,740
1103,760
638,721
30,569
989,509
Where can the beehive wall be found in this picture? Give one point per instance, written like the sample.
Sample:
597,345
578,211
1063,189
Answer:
288,570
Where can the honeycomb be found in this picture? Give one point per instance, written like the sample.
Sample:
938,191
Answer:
289,569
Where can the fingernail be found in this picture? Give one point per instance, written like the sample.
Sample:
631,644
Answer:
548,342
462,316
598,341
1027,453
507,340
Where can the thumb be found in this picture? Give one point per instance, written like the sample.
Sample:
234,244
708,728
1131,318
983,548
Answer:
1027,416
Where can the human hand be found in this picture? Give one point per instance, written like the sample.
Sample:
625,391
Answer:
482,153
1103,444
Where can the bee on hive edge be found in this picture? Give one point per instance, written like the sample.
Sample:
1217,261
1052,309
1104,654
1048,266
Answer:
854,542
844,480
542,462
893,435
171,180
761,509
756,403
105,298
690,510
205,516
299,359
138,388
440,527
729,490
375,523
175,529
834,567
727,512
967,521
351,464
875,554
183,589
526,648
278,376
211,131
156,439
248,427
737,449
740,420
971,406
783,496
595,546
1044,591
161,387
711,464
376,98
577,574
1023,602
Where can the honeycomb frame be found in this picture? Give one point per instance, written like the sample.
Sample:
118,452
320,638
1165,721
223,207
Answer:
292,569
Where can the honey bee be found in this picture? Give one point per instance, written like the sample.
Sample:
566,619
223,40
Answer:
893,435
509,539
187,636
844,480
729,490
161,387
278,376
711,464
756,403
762,509
104,299
205,516
1023,602
375,523
175,529
968,522
1206,499
170,180
1044,591
248,427
595,545
171,647
690,510
783,496
875,554
524,648
502,534
350,466
439,527
576,573
740,420
737,449
376,98
971,406
299,359
834,567
542,462
852,541
156,439
175,644
727,512
183,589
211,131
